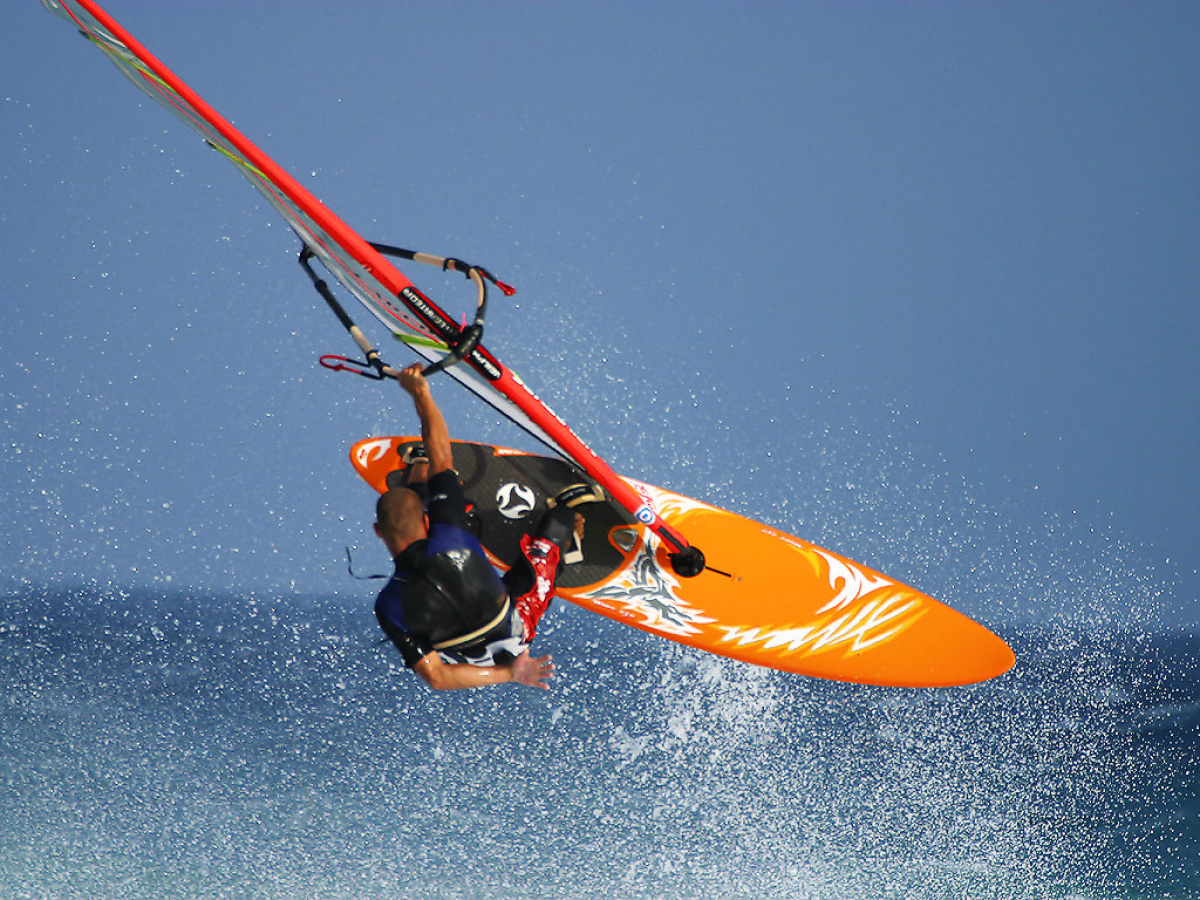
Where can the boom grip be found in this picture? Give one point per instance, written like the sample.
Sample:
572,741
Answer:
463,347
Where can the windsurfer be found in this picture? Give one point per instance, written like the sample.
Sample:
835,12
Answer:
455,621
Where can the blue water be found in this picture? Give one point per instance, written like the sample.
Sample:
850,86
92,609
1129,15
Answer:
191,746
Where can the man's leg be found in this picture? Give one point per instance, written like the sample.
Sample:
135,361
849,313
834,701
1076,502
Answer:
530,580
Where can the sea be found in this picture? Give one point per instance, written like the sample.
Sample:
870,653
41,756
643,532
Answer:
181,745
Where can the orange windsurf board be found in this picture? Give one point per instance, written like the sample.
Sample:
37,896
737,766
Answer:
765,597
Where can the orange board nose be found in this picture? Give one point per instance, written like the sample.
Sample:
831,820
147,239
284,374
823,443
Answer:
789,604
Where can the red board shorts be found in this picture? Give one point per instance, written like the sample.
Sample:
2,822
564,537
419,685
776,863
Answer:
542,556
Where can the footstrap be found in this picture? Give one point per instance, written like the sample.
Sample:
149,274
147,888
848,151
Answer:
577,495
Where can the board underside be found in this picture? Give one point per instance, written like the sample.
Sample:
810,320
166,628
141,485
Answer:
766,597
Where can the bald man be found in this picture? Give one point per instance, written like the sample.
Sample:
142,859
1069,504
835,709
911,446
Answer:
455,621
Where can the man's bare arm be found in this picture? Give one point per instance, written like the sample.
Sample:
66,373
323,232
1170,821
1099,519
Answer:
434,432
444,676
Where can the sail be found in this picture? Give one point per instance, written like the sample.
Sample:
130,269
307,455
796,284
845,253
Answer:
373,280
386,292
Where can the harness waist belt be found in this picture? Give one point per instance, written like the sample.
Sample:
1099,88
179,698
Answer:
505,609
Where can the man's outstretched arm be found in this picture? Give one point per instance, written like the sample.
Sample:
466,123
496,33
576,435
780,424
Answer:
443,676
434,432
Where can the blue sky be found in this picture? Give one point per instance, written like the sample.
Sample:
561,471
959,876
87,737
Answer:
915,281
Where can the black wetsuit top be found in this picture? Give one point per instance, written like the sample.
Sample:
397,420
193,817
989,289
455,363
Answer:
444,586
